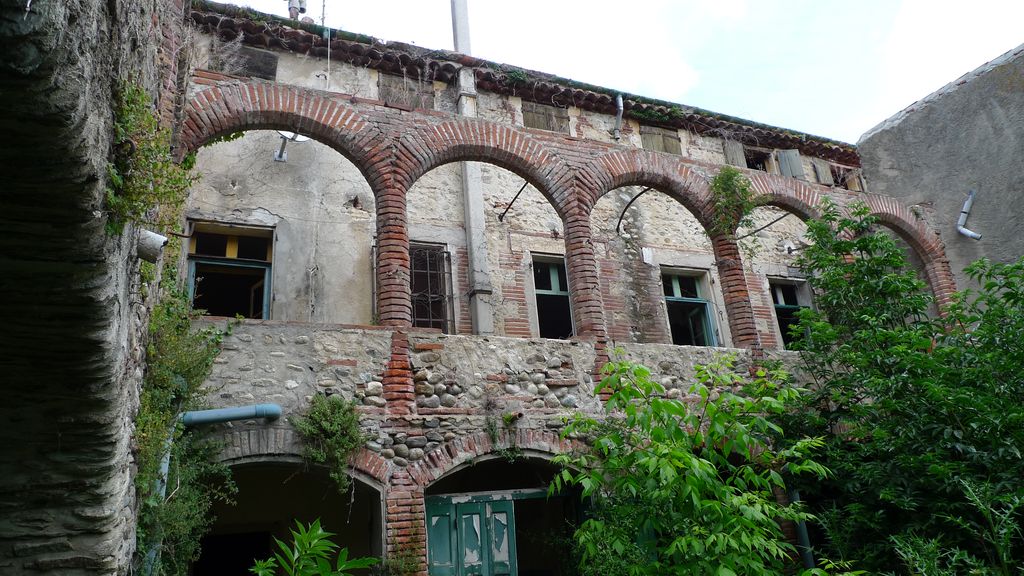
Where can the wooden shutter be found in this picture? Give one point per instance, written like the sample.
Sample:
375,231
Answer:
441,539
823,171
790,164
545,117
473,551
734,154
501,527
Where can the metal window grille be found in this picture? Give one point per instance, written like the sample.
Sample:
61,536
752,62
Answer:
431,284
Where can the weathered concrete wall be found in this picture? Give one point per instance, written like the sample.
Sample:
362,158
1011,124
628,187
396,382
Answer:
969,135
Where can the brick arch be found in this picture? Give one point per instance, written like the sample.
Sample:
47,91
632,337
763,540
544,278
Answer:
793,196
462,451
275,444
471,140
924,241
659,171
238,105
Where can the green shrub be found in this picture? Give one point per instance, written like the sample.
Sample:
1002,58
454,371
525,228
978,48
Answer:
331,433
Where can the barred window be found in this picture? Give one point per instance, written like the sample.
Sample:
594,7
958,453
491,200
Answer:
431,283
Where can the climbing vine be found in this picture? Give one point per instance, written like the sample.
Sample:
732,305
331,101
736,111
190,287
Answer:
733,201
146,185
178,360
332,435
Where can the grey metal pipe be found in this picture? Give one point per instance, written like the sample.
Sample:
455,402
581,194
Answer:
802,538
197,418
961,222
618,117
218,415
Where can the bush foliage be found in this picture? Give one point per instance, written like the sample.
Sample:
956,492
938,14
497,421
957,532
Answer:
923,417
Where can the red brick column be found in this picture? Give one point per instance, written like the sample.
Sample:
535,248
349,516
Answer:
734,290
398,385
394,301
584,284
405,519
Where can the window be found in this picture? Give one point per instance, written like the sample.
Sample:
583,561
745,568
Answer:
689,312
551,288
845,177
545,117
660,140
757,159
406,92
736,154
229,270
432,302
788,298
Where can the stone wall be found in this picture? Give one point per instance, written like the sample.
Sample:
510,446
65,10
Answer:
75,318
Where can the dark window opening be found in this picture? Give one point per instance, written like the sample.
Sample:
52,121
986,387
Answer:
225,290
432,302
229,270
545,117
211,244
786,299
554,316
757,159
689,314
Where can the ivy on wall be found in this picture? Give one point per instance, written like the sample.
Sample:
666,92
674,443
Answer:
733,201
146,185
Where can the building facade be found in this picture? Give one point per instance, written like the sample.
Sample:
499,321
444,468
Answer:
458,246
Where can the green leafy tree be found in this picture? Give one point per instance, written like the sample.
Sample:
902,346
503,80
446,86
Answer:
309,554
687,487
921,416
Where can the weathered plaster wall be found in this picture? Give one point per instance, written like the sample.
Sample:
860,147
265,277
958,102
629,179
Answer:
969,135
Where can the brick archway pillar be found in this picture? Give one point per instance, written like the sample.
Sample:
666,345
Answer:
584,284
405,519
394,300
738,309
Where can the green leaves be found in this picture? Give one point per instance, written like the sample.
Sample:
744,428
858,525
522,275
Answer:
309,554
331,435
145,182
694,480
910,407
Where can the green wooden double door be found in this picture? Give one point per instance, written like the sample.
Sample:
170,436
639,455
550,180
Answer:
470,538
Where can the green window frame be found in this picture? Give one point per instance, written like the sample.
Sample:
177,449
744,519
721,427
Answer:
787,301
551,294
244,275
689,311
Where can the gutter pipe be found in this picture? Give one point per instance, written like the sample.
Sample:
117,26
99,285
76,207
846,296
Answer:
962,220
270,412
802,538
617,134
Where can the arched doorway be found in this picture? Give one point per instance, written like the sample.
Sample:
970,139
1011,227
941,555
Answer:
271,497
495,518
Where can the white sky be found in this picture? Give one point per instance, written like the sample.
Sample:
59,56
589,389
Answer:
833,68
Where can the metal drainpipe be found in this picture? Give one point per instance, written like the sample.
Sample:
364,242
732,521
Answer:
962,220
802,538
196,418
617,134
